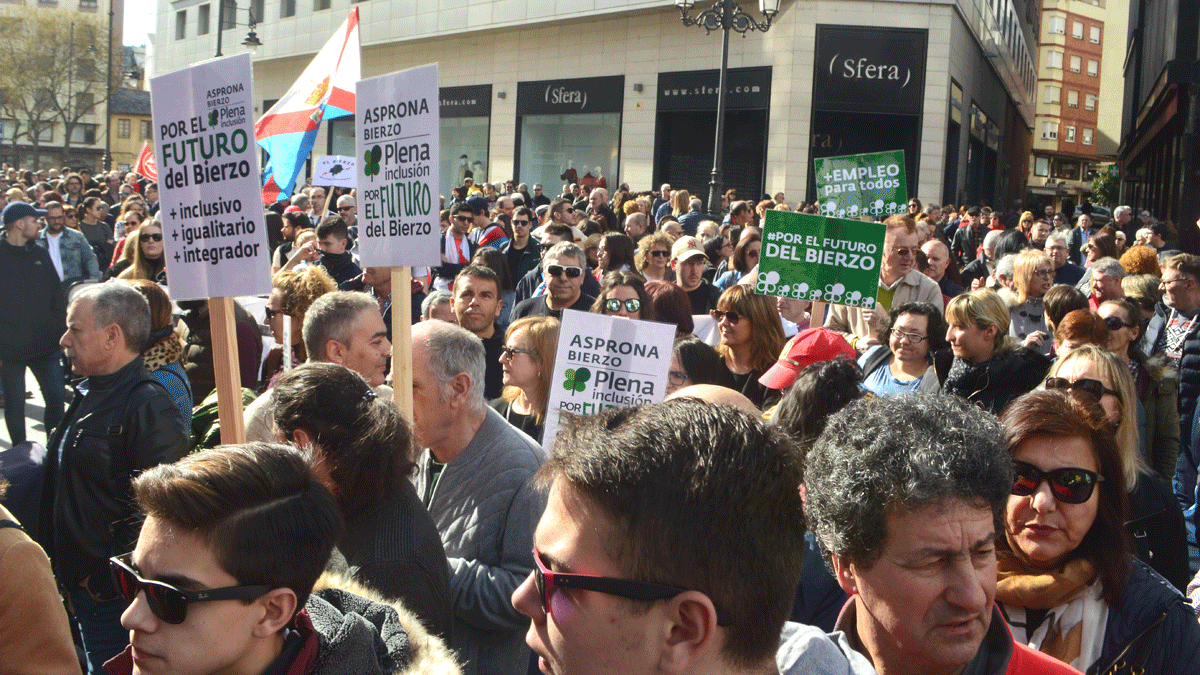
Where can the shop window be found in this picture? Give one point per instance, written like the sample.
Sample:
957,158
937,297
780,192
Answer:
202,16
1077,30
123,128
1053,59
1076,63
1070,134
1072,99
1066,170
1041,166
1093,67
181,24
1058,25
1050,131
1087,136
1095,35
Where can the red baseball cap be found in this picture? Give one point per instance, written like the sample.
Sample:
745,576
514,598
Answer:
809,346
292,209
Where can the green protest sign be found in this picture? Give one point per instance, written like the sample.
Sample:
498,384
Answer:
861,185
818,258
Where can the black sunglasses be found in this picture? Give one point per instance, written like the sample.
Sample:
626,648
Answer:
718,314
571,271
660,254
272,313
148,236
1069,485
1093,388
167,602
344,208
1116,323
548,581
614,305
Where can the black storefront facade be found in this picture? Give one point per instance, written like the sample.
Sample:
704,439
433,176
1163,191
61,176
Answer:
685,128
868,94
569,131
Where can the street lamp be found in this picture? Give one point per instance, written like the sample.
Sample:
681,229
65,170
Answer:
252,43
724,15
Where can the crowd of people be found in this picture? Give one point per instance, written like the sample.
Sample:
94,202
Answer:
992,470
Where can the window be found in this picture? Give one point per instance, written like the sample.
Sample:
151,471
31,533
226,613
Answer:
287,8
1041,166
1091,102
181,24
319,5
1077,30
1053,94
1058,25
147,131
1066,170
123,128
230,14
1095,35
1087,136
1093,67
84,102
202,19
88,5
1070,134
1050,130
1072,99
45,132
1054,60
1076,63
83,133
256,9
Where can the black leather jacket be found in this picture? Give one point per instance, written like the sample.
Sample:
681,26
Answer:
126,422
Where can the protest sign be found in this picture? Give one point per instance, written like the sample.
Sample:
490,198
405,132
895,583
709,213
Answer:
213,229
861,185
335,170
606,362
818,258
397,145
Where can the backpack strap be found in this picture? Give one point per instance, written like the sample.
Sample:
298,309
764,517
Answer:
10,523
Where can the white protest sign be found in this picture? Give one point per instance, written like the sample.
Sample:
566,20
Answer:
335,170
397,144
606,362
209,189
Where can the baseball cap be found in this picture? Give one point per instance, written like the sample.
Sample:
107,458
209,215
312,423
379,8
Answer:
686,247
973,211
292,209
478,204
18,210
809,346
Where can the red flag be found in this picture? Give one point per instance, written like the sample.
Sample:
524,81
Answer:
146,165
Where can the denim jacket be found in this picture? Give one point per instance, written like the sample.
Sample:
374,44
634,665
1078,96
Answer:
78,258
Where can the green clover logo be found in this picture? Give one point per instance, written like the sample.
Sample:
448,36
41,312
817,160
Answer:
576,379
212,118
372,157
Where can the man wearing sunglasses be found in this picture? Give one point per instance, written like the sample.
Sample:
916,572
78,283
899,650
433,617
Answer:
521,250
904,495
222,577
626,581
457,248
563,270
900,282
120,422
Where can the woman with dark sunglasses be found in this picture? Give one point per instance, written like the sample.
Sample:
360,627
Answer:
653,257
1155,521
751,337
624,294
1068,585
1155,385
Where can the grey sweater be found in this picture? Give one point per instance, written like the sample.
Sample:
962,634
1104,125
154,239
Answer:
486,509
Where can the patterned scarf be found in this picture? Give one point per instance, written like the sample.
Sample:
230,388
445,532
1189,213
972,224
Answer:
167,350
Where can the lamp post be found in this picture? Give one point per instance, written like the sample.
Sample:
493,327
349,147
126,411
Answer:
252,43
106,161
724,15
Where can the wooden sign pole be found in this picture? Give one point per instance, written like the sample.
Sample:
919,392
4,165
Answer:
229,376
402,361
816,314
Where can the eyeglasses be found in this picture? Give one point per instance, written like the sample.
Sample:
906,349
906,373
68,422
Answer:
1044,273
571,271
660,254
1116,323
614,305
344,208
545,247
548,582
519,222
167,602
272,313
1168,282
1068,485
912,250
718,315
1093,388
911,337
149,236
462,219
507,353
677,378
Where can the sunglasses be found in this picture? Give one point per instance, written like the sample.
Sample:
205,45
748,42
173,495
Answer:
462,219
1093,388
519,222
571,271
545,247
718,315
1116,323
1069,485
509,352
344,208
660,254
150,236
272,313
167,602
548,582
614,305
906,251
